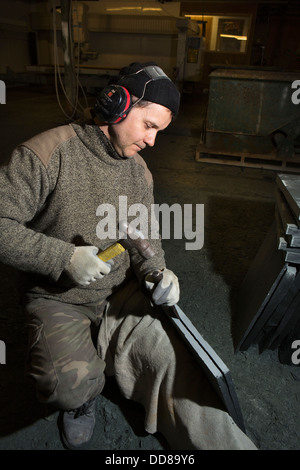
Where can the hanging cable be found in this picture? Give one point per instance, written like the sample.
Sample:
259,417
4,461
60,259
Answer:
78,61
57,73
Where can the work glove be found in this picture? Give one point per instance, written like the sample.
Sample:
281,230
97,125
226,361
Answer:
85,266
164,287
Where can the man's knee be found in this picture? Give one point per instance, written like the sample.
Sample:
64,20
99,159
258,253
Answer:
67,385
62,359
78,382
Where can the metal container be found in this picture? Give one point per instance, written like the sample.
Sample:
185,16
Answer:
251,113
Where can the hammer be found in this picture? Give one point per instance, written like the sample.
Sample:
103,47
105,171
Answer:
134,239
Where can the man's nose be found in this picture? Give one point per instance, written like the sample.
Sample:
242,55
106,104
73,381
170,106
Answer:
150,137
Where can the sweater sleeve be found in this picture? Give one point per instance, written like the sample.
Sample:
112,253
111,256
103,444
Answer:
154,238
24,187
147,219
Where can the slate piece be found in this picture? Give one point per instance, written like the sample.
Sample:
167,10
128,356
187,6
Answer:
290,186
265,321
287,323
259,285
292,257
289,223
293,241
266,336
269,300
216,371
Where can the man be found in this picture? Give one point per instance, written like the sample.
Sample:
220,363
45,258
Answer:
87,318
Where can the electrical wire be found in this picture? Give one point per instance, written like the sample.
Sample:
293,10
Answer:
78,63
57,73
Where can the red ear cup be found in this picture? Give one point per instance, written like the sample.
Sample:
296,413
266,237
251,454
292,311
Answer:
113,104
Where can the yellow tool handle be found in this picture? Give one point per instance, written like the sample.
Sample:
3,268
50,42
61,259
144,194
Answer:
111,252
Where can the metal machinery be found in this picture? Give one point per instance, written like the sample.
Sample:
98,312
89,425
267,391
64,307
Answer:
251,119
190,51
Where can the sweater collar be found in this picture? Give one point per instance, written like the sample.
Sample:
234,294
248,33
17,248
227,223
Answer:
96,141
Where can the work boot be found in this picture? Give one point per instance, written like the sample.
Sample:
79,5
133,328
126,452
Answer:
78,425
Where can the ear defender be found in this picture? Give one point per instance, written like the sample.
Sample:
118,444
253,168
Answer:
113,104
114,101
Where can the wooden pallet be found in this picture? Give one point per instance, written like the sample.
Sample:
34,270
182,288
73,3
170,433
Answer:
249,160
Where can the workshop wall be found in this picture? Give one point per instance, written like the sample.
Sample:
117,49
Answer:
113,33
14,39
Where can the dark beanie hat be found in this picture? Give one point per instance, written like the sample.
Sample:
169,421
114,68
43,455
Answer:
159,88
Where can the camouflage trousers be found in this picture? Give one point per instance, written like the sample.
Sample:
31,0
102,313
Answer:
136,343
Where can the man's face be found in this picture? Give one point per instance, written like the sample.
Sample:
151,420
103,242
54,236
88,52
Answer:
139,129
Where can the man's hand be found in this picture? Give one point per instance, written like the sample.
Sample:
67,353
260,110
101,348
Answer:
85,267
166,291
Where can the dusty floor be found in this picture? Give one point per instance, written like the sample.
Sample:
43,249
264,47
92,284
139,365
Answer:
239,209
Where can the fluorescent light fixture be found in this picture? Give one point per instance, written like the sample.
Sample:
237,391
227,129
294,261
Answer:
239,38
152,9
133,8
123,8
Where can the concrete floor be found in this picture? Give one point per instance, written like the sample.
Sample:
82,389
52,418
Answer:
239,209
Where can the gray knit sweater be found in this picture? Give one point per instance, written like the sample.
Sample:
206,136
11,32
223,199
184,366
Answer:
49,194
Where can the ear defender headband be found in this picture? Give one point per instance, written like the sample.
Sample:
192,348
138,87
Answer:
114,102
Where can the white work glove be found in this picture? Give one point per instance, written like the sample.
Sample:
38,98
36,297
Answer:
85,266
166,291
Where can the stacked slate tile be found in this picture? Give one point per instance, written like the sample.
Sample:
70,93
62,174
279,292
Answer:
268,307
